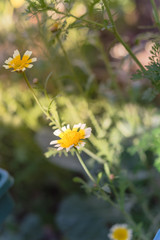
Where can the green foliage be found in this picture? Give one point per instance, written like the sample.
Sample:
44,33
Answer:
35,6
152,73
20,154
17,108
83,84
155,53
148,141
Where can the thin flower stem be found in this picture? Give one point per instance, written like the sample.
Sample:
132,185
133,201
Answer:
47,53
110,70
35,97
143,204
155,13
114,189
100,25
117,35
69,64
87,21
133,224
106,197
84,166
126,215
93,155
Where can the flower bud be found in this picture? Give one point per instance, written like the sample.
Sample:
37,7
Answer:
54,27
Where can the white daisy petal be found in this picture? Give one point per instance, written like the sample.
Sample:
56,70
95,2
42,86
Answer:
77,125
82,144
27,53
23,69
57,145
33,59
67,149
16,70
16,53
64,128
78,147
53,142
88,132
57,132
60,148
30,66
83,126
68,126
8,60
6,66
87,136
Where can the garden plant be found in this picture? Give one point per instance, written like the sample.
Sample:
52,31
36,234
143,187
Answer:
97,91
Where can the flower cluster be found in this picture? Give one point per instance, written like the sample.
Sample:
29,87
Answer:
71,138
120,232
18,64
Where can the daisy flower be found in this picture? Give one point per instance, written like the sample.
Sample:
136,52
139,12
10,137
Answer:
120,232
71,138
18,64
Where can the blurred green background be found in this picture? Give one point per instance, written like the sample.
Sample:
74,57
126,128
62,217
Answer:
89,74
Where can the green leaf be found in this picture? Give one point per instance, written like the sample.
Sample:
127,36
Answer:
106,169
150,94
79,180
99,177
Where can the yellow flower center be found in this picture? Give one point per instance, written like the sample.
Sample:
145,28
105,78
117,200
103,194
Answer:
120,234
18,63
71,137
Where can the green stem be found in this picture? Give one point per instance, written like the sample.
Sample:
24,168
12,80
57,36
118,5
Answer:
79,18
141,199
84,166
106,198
133,225
35,97
69,64
107,63
117,35
155,13
47,52
110,70
87,21
92,155
126,215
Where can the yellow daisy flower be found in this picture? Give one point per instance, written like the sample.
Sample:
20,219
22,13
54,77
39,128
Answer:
19,64
71,138
120,232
